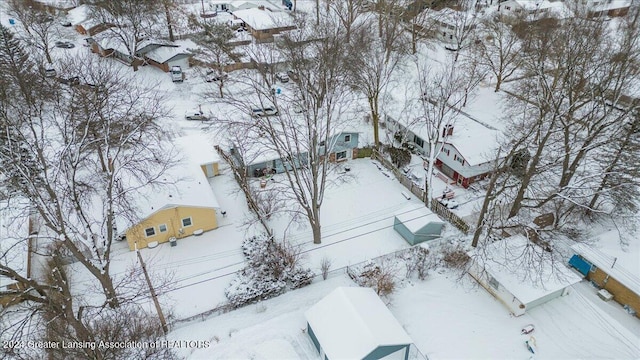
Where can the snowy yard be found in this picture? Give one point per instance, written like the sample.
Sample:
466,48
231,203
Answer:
445,318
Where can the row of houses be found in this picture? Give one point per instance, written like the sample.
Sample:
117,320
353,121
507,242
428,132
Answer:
260,22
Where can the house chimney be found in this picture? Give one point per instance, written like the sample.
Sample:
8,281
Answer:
447,131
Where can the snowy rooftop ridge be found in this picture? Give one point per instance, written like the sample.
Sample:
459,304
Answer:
351,322
539,276
626,277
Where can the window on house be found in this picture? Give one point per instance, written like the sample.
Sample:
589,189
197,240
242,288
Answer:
162,228
593,268
493,282
341,155
150,231
446,151
347,138
187,222
418,141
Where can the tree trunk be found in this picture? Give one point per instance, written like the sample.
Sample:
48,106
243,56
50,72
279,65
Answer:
498,83
167,14
315,228
375,120
429,179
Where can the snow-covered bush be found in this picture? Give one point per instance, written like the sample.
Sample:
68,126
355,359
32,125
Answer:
272,268
381,277
417,260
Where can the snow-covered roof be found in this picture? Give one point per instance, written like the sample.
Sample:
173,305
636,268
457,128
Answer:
447,16
198,149
79,14
351,322
166,53
184,184
14,230
608,264
526,270
415,218
259,19
475,141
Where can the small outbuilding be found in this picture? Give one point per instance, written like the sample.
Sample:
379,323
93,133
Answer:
353,323
417,224
520,274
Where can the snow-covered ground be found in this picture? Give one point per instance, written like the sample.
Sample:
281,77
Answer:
446,319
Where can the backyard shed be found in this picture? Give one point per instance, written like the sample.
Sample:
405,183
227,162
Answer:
353,323
520,285
417,224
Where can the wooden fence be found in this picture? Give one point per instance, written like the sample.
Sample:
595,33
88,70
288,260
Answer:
436,207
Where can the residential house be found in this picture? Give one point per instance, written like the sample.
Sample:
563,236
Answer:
447,25
80,18
417,224
182,206
343,146
260,161
520,285
611,8
607,273
467,149
159,53
534,9
353,323
263,23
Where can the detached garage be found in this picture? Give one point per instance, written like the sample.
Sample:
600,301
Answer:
165,57
417,224
353,323
520,274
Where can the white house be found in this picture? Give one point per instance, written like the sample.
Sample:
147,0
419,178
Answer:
534,9
467,152
353,323
520,274
447,25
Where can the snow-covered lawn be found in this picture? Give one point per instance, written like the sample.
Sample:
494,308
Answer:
446,318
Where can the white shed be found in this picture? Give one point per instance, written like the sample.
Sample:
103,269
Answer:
353,323
521,274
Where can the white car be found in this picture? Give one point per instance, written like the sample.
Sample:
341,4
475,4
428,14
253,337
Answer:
282,77
268,111
196,115
213,76
450,204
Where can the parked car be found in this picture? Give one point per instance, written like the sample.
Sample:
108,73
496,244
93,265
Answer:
213,76
450,204
268,111
72,80
65,44
196,115
48,71
176,74
65,23
282,77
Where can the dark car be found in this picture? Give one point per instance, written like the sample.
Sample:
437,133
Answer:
73,80
65,44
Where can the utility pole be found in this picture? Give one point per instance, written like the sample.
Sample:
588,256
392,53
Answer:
153,293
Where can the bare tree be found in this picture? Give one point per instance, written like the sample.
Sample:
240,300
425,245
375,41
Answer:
498,49
301,139
442,88
372,70
133,22
349,12
37,24
90,148
214,39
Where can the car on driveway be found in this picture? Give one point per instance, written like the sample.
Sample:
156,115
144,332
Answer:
260,112
213,76
282,77
196,115
65,44
65,23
